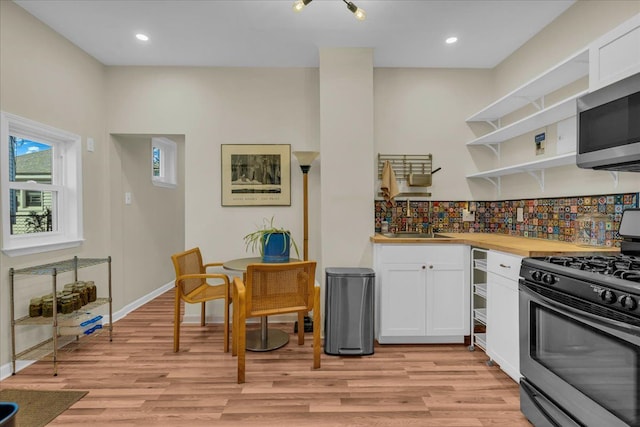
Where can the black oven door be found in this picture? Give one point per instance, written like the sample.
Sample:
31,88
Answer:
582,360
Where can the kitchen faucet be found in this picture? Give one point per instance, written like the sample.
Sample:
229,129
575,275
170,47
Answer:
406,224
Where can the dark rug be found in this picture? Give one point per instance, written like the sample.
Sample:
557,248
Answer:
37,408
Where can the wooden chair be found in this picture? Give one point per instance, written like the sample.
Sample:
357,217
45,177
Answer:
192,287
271,289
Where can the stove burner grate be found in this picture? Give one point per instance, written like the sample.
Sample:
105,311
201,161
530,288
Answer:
623,266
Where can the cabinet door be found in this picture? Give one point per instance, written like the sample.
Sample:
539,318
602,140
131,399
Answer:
615,55
447,300
502,323
402,300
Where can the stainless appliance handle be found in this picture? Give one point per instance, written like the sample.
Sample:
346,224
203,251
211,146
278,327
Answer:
634,330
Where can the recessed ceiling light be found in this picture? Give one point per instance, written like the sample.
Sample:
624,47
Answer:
142,37
451,40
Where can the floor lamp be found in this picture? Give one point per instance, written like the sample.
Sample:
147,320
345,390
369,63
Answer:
305,158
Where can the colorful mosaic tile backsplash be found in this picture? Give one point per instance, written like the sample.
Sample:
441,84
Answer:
551,218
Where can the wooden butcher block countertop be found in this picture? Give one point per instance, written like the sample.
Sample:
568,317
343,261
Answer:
523,246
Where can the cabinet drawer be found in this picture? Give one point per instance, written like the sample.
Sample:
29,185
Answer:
413,253
503,264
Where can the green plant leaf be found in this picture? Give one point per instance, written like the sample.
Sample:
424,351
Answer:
258,238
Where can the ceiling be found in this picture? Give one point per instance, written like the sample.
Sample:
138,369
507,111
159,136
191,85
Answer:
267,33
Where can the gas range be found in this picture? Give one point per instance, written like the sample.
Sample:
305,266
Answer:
579,326
606,280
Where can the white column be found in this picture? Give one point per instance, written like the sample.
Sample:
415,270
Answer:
348,158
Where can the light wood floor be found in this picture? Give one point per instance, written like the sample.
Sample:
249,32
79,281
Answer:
138,380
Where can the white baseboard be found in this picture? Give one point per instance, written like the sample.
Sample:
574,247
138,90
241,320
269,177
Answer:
120,314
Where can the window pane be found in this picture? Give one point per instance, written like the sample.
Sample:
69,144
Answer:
29,161
29,216
33,199
156,161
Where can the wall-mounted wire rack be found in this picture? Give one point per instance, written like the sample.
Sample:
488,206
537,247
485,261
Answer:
404,165
407,167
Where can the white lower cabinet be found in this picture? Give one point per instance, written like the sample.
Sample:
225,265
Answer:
502,312
422,293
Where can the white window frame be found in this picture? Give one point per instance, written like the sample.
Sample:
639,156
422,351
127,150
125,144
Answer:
168,162
67,183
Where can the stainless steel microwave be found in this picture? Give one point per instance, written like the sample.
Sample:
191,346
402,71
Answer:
609,127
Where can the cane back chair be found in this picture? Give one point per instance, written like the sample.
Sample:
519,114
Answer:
192,286
271,289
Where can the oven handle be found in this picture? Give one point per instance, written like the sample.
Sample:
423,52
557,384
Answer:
634,330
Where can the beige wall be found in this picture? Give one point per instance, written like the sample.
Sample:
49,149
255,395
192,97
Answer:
422,111
45,78
222,106
36,63
150,229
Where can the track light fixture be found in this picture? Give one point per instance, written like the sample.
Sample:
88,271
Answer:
360,14
298,5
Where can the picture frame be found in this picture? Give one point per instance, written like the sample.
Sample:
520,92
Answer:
256,174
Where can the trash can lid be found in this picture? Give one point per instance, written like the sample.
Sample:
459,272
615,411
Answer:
349,271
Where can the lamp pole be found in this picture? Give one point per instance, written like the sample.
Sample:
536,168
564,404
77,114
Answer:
305,211
305,158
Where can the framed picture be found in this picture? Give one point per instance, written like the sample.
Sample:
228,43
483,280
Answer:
256,175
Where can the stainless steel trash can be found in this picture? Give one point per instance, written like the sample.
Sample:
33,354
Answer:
348,313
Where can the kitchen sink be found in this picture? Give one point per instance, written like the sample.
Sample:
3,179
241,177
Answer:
414,235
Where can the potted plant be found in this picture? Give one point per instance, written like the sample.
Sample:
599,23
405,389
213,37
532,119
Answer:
272,242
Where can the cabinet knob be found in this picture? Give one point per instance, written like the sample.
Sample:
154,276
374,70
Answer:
505,266
431,267
423,267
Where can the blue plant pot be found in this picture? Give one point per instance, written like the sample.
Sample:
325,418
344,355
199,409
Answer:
8,411
276,247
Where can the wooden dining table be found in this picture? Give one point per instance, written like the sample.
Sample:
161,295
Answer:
264,339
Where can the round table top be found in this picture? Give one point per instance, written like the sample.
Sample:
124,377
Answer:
240,264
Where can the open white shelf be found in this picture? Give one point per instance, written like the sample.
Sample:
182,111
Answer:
547,162
480,264
480,289
480,314
568,71
552,114
481,340
535,169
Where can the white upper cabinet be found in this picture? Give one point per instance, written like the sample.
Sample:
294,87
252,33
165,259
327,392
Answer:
615,55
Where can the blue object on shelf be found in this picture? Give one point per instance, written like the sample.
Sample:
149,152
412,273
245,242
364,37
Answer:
8,411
